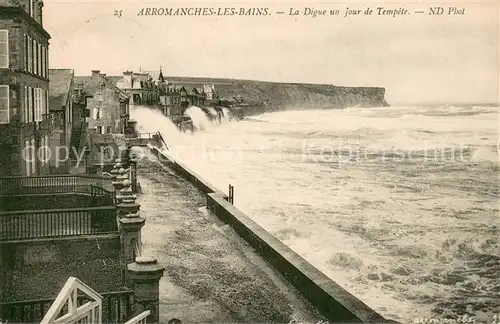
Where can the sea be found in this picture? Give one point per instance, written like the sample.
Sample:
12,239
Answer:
398,205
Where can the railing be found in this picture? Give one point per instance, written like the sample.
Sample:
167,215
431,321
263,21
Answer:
31,224
231,194
52,184
139,319
101,196
146,135
116,308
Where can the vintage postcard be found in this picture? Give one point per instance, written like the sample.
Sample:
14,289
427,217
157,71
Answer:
249,161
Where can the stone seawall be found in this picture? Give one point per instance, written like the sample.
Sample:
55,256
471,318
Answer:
335,303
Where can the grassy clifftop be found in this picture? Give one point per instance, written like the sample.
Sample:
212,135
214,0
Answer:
271,96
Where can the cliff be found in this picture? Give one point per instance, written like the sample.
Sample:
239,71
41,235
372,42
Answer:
260,96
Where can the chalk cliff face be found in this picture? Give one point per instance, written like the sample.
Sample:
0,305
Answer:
264,96
259,96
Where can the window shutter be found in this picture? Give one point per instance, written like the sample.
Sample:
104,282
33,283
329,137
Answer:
47,108
39,103
25,52
4,48
47,62
25,104
33,156
35,103
4,104
30,57
42,56
39,53
35,57
26,157
30,104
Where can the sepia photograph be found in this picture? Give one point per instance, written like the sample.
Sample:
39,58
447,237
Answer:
249,162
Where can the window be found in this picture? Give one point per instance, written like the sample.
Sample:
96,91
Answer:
4,104
25,105
30,104
47,151
33,53
47,107
97,113
33,156
99,129
44,148
46,62
25,52
42,56
35,57
26,157
38,104
43,109
35,103
4,48
30,54
39,54
108,130
99,97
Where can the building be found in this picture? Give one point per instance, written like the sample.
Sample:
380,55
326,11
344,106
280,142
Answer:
24,85
107,105
61,110
210,92
140,87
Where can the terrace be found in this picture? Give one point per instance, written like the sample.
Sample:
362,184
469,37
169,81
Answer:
80,227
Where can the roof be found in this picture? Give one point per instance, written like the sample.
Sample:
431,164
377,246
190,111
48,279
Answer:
114,79
59,87
91,84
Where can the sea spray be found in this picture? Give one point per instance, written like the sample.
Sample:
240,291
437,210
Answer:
200,120
152,121
212,112
187,148
226,114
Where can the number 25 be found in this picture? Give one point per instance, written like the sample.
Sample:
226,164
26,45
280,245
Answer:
118,13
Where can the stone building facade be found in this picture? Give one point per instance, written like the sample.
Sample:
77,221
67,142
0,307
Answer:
107,105
24,82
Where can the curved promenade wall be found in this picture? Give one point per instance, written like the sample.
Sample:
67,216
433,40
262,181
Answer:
335,303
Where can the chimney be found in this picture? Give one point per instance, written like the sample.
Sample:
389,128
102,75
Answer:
103,74
96,72
40,12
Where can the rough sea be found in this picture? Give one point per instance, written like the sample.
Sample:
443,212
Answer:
399,205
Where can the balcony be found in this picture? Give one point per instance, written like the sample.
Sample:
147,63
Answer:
56,206
51,223
53,184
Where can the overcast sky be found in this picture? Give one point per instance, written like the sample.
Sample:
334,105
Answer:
417,58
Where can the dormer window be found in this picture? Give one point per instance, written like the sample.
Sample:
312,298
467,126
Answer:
102,85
